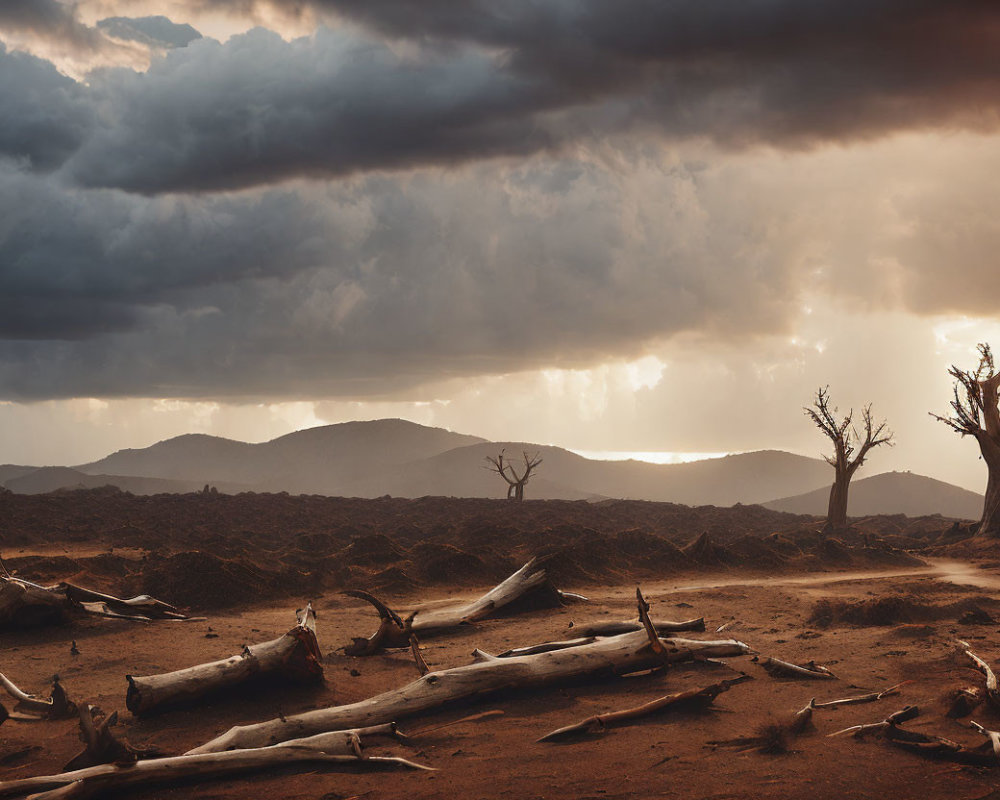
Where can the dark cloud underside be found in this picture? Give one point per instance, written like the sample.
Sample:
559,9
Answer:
478,80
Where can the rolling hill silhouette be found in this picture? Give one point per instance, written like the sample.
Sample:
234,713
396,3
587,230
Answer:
891,493
404,459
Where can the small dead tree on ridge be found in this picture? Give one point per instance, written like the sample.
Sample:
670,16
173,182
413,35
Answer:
506,470
849,450
976,414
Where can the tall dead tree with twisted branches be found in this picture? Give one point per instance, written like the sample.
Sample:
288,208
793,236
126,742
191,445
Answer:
849,449
975,414
515,482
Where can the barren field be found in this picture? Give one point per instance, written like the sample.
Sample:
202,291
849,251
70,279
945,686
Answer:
874,615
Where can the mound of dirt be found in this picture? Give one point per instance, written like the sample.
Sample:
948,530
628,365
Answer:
374,549
705,550
200,580
895,609
444,563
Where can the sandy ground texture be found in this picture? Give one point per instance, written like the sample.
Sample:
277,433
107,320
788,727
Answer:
872,631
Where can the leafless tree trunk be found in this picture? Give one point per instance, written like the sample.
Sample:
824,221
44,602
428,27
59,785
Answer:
506,470
975,414
849,450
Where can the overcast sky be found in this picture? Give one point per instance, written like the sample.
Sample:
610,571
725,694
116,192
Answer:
623,226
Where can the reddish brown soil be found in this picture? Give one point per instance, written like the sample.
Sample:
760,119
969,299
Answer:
249,561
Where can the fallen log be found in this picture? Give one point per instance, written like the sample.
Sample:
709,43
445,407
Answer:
784,669
871,697
928,744
100,744
31,707
393,631
331,748
992,687
662,627
598,723
615,655
896,718
294,656
25,604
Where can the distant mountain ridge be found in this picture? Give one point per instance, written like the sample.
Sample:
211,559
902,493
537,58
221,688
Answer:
404,459
890,493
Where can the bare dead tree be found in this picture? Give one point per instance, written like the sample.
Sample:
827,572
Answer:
850,447
975,414
507,471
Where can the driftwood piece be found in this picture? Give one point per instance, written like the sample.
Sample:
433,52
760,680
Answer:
598,723
100,744
25,604
992,687
993,737
784,669
295,656
615,655
331,748
928,744
871,697
896,718
662,627
31,707
394,631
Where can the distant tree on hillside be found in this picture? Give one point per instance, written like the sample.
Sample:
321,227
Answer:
849,450
506,470
975,414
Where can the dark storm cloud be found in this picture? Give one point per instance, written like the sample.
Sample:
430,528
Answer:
453,82
158,31
45,115
259,109
361,286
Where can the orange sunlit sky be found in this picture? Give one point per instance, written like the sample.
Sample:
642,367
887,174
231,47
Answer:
628,227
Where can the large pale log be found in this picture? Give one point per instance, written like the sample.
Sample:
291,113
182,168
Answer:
394,631
26,604
334,747
295,656
616,655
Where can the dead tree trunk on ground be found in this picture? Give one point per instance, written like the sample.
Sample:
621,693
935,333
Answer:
332,748
507,471
784,669
394,631
616,655
100,744
849,451
690,698
928,744
976,414
31,707
24,604
295,656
